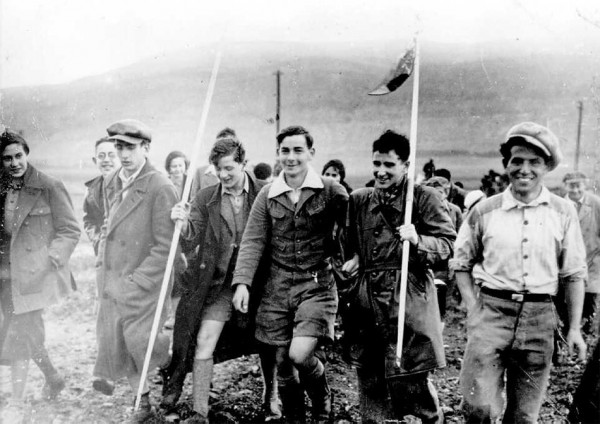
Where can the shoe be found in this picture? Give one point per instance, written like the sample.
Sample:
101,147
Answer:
196,418
272,411
13,412
53,386
144,413
103,386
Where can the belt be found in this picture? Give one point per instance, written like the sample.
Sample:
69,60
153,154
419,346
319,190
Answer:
323,266
517,296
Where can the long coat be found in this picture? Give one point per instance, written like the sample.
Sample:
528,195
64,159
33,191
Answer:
44,227
206,215
373,234
589,219
132,259
93,210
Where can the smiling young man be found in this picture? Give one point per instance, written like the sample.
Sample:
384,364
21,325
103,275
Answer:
376,232
133,252
292,222
511,254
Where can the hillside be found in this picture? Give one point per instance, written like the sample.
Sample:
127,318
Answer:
470,96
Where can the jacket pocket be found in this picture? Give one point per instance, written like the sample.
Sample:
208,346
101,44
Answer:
35,272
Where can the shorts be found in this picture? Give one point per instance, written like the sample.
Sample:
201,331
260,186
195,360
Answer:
296,304
217,305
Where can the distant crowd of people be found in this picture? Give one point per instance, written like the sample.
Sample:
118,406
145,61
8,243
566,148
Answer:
270,256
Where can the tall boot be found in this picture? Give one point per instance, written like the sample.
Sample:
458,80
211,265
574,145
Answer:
315,383
292,400
203,372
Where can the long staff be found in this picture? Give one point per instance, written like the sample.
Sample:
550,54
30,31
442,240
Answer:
175,241
409,205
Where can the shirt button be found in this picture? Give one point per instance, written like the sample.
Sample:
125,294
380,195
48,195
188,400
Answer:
299,252
525,274
373,274
526,222
524,240
525,256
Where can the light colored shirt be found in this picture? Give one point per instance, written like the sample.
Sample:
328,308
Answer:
511,245
279,186
126,181
237,200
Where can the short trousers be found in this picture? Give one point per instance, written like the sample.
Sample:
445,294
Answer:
296,304
217,305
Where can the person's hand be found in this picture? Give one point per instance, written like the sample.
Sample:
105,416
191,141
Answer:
241,298
575,340
350,268
408,232
180,212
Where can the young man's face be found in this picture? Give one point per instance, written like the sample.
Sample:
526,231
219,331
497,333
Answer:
230,173
177,167
332,172
388,168
132,156
575,188
294,155
526,169
14,160
106,157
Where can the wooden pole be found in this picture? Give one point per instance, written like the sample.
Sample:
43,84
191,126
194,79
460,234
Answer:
409,204
578,144
175,241
278,110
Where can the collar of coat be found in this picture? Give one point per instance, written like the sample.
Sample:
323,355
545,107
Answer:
251,186
279,186
398,203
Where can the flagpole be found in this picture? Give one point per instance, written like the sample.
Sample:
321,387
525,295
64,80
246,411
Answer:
175,241
409,203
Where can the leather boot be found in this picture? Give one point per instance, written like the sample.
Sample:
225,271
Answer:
292,400
172,388
320,397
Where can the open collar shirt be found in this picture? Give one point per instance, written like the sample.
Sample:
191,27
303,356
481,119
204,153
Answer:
511,245
279,186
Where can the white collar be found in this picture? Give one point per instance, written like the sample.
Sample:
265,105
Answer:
279,186
128,180
509,201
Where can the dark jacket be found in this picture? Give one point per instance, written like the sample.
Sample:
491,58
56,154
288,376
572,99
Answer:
93,210
45,227
373,235
205,229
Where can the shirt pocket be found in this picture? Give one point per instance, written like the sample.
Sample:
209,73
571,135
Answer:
39,220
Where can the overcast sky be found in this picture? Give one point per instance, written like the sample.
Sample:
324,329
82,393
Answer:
53,41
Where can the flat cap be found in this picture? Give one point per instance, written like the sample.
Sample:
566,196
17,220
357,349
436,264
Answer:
130,131
539,136
576,175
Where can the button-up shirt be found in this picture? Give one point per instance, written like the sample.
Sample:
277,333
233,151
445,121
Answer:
521,247
279,186
126,181
237,200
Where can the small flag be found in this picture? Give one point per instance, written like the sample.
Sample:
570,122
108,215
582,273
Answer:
398,75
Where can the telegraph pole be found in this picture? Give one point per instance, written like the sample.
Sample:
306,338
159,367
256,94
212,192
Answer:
278,111
577,146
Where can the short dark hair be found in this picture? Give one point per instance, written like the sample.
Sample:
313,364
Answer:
9,137
174,155
225,147
103,140
295,130
262,171
505,149
392,141
443,172
337,164
226,133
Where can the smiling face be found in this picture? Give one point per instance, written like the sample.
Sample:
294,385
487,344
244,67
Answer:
14,159
294,155
230,173
106,157
526,169
388,169
132,156
575,188
177,168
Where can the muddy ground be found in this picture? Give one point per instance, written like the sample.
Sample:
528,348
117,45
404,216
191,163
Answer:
237,384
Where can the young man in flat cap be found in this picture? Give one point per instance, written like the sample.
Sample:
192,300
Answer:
588,210
511,254
376,234
292,222
132,259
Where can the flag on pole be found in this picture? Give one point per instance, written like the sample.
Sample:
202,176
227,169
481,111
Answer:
398,75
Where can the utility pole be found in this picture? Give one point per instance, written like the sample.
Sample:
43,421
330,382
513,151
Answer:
578,145
278,111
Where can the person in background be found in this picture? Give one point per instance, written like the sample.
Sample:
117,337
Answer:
471,199
456,194
262,171
511,255
376,235
133,254
105,159
335,169
587,205
38,233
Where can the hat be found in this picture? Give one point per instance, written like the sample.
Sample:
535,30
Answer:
437,182
577,175
130,131
472,198
538,136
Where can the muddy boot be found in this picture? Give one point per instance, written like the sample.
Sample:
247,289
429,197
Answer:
292,400
320,398
103,386
172,388
145,412
53,386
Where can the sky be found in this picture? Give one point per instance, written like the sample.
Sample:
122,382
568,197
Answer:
55,41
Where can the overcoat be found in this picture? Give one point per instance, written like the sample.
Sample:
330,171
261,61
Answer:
206,226
374,304
132,259
589,219
44,227
93,210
